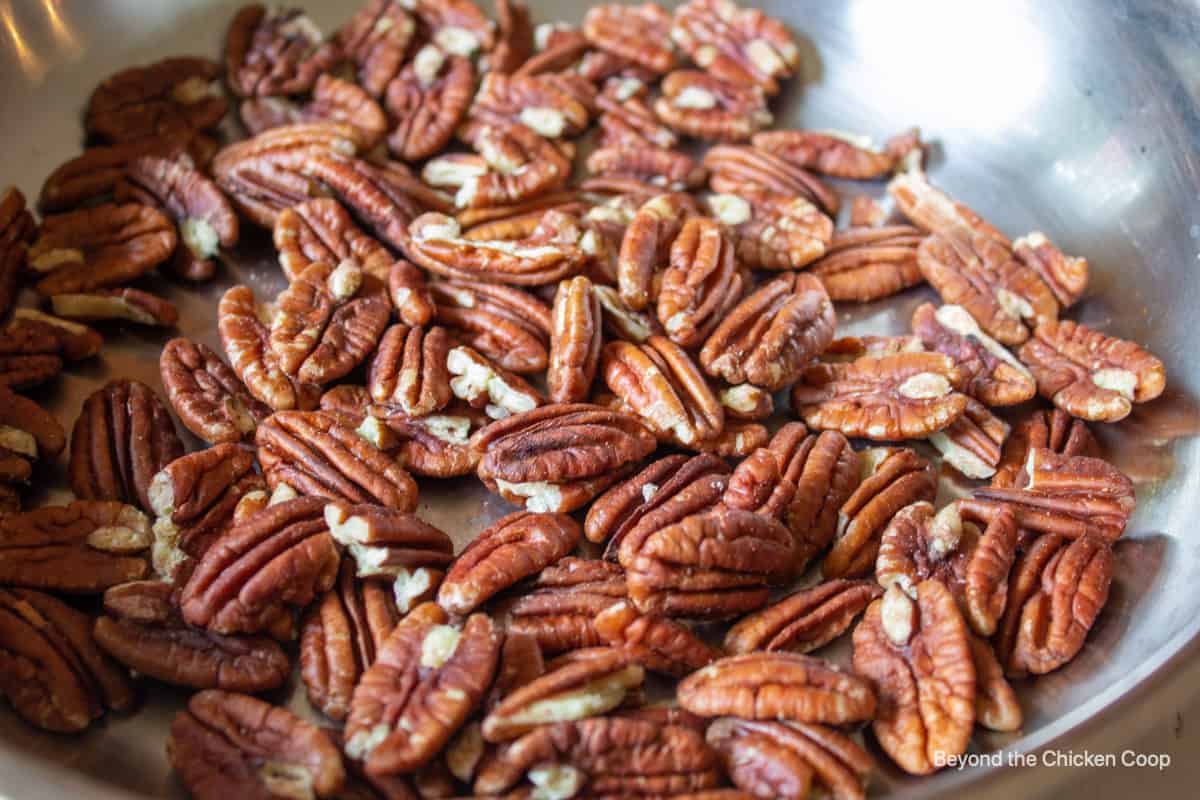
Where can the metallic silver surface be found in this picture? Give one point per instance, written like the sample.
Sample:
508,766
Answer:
1078,119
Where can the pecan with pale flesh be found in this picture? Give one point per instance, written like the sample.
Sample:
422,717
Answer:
409,370
971,444
657,643
774,232
28,434
742,45
702,282
129,304
534,101
748,171
410,294
863,264
1067,276
702,106
639,34
1056,430
805,621
485,385
456,26
839,154
514,165
993,375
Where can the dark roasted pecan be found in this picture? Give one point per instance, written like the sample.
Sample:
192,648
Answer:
993,375
106,305
508,325
701,105
427,678
16,231
742,45
1090,375
514,37
317,454
232,745
245,334
805,621
558,457
428,100
639,34
172,97
72,341
657,643
123,437
701,284
574,341
917,652
862,264
333,100
275,52
409,370
208,396
53,674
1056,430
839,154
747,171
769,337
28,434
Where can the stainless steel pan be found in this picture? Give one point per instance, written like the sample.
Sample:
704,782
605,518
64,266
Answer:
1076,118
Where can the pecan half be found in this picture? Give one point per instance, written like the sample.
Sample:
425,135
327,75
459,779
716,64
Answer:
30,354
1067,276
993,375
1056,430
81,548
784,759
748,171
511,550
428,99
574,341
483,384
226,744
456,26
1090,375
996,706
321,230
246,337
653,166
971,444
917,652
621,321
410,295
534,101
104,245
742,45
640,34
28,434
142,629
281,557
16,231
646,246
659,382
1056,590
657,643
514,37
425,681
805,621
783,686
333,101
409,370
376,39
746,402
770,336
508,325
774,232
840,154
53,674
893,478
627,123
172,97
585,687
701,284
559,613
210,399
124,435
100,305
316,454
558,457
72,341
275,52
701,105
864,264
886,398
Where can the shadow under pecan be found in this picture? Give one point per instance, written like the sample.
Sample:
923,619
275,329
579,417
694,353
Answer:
99,246
862,264
839,154
639,34
574,341
917,652
51,670
226,744
426,680
1091,375
993,375
1056,430
784,759
271,52
559,611
770,336
558,457
515,547
123,437
700,105
246,337
657,643
746,172
805,621
741,45
142,629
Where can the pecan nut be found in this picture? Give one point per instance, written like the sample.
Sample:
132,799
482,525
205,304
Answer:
621,321
1067,276
993,375
646,246
428,99
456,26
1091,375
246,337
409,370
558,614
1056,430
574,341
333,101
514,37
862,264
95,173
100,305
515,165
773,232
226,744
483,384
172,97
741,45
534,101
639,34
54,675
209,398
653,166
72,340
275,52
509,326
971,444
749,172
769,337
123,437
16,231
996,706
512,549
746,401
321,230
657,643
410,295
142,629
702,283
917,652
701,105
558,457
28,434
805,621
840,154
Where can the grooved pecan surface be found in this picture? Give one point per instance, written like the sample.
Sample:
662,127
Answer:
640,34
171,97
742,45
409,369
772,231
428,99
275,52
321,230
701,284
646,247
748,171
376,39
1055,430
508,325
839,154
805,621
574,341
560,611
862,264
971,444
1067,276
993,375
700,105
657,643
246,338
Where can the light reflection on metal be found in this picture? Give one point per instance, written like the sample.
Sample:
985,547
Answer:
63,35
32,65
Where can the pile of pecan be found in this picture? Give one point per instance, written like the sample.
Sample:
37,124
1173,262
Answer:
612,354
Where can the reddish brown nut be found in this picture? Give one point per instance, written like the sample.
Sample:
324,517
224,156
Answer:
28,433
657,643
1056,591
142,629
574,341
511,550
246,337
1056,430
205,219
659,382
621,321
701,284
971,444
917,652
280,558
485,385
701,105
376,39
54,675
746,402
784,759
742,45
124,435
646,247
805,621
509,326
558,457
456,26
208,396
514,37
172,97
105,245
712,565
233,745
840,154
317,454
993,375
578,689
996,706
886,398
862,264
748,172
428,100
410,295
651,165
426,680
1067,276
628,123
770,336
333,101
783,686
640,34
1090,375
31,350
100,305
16,231
321,230
71,340
773,232
275,52
409,370
893,478
535,101
614,756
559,613
515,165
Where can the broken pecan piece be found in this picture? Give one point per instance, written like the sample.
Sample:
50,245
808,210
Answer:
805,621
100,305
28,434
1091,375
993,375
483,384
428,100
863,264
123,437
1056,430
246,337
271,52
742,45
574,341
701,105
657,643
210,399
917,652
